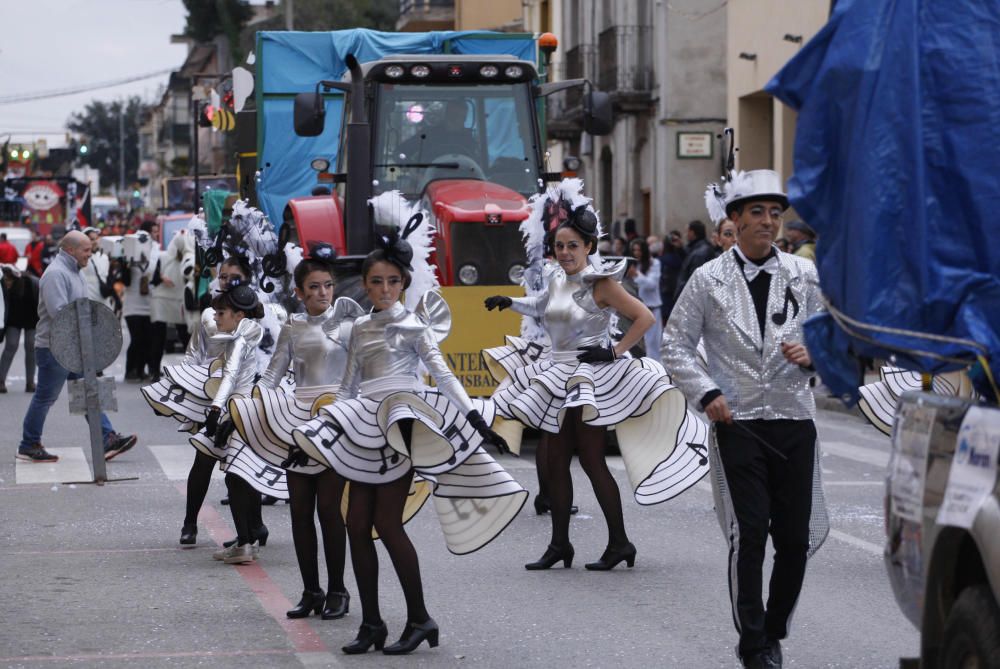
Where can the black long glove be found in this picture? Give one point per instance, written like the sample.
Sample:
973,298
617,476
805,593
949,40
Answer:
477,421
225,430
596,354
212,421
498,301
296,458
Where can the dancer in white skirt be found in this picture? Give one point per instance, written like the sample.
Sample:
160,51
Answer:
314,344
386,425
585,386
199,394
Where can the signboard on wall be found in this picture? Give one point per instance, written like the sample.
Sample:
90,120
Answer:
695,145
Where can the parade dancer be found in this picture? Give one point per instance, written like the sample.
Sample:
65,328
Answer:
386,426
314,345
585,386
748,306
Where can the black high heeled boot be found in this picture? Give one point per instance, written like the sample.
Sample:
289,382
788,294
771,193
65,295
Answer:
542,506
310,602
337,605
368,636
189,535
612,556
413,635
552,555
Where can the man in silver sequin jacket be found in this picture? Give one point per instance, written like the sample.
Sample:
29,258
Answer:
748,307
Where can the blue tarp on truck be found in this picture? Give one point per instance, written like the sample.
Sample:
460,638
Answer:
896,166
293,62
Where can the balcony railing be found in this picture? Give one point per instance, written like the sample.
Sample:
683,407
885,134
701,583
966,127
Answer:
626,61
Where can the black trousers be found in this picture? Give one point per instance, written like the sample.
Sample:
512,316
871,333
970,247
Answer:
771,493
138,355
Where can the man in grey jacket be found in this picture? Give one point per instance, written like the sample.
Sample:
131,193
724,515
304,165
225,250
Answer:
60,285
747,307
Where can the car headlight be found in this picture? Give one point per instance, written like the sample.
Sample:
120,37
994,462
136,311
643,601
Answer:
513,71
468,275
515,274
394,71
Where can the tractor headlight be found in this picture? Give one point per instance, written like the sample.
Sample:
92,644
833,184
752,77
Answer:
515,274
513,71
468,275
488,71
394,71
420,71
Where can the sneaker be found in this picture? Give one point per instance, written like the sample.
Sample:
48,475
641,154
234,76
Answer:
235,554
36,453
116,444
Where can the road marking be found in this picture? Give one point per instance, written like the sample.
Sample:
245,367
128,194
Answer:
300,634
102,657
853,483
868,456
175,461
72,466
868,546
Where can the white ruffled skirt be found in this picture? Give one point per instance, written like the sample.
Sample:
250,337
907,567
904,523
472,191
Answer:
474,497
664,446
879,400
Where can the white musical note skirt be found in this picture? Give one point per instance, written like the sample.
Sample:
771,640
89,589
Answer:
474,497
664,445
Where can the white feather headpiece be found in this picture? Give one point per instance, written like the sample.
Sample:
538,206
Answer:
392,210
715,202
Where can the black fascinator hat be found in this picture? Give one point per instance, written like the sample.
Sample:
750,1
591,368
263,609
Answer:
397,250
240,297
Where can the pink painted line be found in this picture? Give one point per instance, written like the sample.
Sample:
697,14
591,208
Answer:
300,634
82,551
144,656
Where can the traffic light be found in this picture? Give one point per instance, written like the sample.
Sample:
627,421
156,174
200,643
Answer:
84,149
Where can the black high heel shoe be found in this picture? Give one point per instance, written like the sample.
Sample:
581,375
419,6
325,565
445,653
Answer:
189,535
413,635
368,636
310,602
260,536
542,506
552,555
337,605
612,556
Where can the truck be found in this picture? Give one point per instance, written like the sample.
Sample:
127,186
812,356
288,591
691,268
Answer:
461,132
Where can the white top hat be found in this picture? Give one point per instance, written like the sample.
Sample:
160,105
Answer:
754,185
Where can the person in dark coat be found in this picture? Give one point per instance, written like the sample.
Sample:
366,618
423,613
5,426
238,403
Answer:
697,252
20,294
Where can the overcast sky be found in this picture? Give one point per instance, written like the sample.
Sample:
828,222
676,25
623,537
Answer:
56,44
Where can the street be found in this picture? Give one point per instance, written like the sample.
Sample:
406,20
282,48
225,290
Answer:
94,576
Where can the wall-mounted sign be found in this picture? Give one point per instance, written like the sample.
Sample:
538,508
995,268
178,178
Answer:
694,145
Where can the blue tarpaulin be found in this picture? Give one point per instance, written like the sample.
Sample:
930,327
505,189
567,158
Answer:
293,62
896,167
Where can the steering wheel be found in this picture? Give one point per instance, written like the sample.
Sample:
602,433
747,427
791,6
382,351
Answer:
466,164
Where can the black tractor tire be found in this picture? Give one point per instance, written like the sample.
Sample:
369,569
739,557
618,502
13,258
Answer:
972,632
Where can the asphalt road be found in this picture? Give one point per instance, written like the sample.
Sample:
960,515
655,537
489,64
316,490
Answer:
94,577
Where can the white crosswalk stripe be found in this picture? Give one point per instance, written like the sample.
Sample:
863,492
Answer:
175,461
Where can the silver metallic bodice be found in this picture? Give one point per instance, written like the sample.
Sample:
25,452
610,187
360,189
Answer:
314,346
239,368
201,350
568,311
393,343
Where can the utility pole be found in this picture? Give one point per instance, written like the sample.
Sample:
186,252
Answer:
121,148
289,13
195,117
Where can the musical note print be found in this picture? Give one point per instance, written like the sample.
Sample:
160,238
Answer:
781,318
701,451
268,470
385,463
175,393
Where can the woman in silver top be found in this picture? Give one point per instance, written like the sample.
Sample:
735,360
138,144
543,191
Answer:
314,345
585,386
386,425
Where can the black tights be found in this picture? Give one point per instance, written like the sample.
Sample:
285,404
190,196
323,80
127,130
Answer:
199,478
244,504
542,467
589,446
381,507
307,494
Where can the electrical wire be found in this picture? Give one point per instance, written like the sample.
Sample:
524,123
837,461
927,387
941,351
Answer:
62,92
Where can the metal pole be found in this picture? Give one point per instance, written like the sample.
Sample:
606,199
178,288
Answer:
121,148
289,14
90,387
194,150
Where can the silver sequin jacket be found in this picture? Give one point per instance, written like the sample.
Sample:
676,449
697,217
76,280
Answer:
751,371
